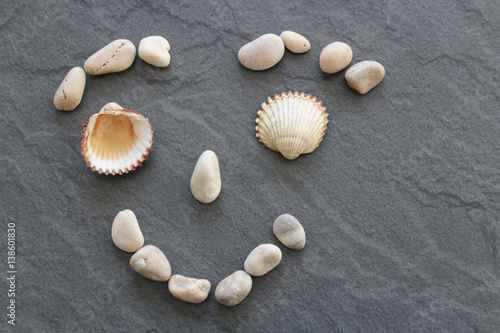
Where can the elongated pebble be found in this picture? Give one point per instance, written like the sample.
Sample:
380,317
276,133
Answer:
126,233
70,92
294,42
189,289
335,57
290,232
234,288
206,181
364,76
262,53
151,263
115,57
155,51
262,259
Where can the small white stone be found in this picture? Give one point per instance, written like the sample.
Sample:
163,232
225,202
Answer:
206,181
262,53
262,259
151,263
290,232
154,51
335,57
126,233
70,92
115,57
234,288
294,42
364,76
189,289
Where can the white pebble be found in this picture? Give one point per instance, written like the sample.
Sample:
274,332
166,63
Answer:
70,92
205,181
294,42
126,233
262,259
364,76
154,51
150,262
188,289
234,288
262,53
335,57
290,232
115,57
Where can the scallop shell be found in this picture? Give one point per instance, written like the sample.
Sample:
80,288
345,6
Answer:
116,141
291,123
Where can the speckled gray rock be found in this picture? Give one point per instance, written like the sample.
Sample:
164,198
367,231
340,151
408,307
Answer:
150,262
115,57
262,53
189,289
125,231
262,259
154,51
364,76
70,92
290,232
295,42
234,288
335,57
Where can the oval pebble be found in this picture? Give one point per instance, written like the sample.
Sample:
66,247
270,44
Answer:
70,92
151,263
294,42
115,57
189,289
335,57
364,76
262,259
262,53
205,181
234,288
154,51
290,232
126,233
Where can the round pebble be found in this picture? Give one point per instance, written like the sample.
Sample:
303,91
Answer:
364,76
234,288
70,92
188,289
126,233
154,51
335,57
262,53
262,259
151,263
205,181
294,42
115,57
290,232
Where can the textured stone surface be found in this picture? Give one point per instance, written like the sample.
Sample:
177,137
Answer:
401,201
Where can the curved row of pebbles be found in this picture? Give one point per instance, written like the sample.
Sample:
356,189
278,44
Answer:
115,57
150,262
267,50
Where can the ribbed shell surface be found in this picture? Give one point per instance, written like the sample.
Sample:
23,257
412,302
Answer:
292,124
116,141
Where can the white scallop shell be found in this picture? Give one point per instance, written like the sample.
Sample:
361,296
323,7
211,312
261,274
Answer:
291,123
116,141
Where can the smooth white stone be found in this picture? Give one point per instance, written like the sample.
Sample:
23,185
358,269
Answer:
290,232
262,259
364,76
126,233
262,53
294,42
234,288
189,289
154,51
70,92
206,181
115,57
335,57
151,263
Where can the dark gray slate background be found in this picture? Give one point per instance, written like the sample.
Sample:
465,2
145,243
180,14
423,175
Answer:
400,202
